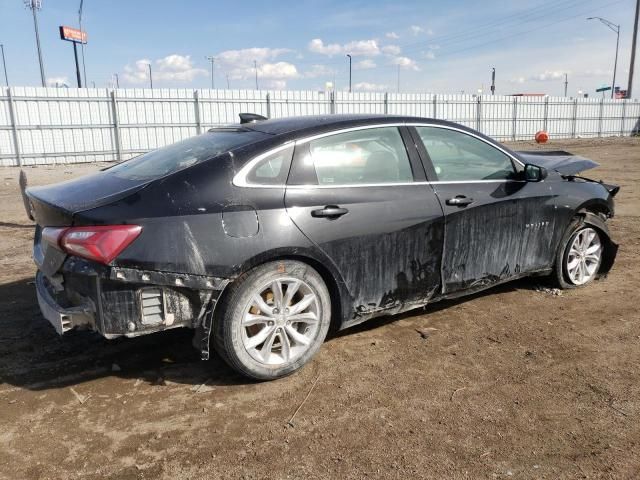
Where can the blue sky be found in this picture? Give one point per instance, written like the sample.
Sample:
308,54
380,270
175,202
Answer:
442,47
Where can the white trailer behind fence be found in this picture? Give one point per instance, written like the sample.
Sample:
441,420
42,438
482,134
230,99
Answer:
41,126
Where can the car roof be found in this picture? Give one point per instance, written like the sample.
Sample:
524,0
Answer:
312,124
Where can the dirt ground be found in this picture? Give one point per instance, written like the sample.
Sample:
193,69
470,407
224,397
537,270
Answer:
514,382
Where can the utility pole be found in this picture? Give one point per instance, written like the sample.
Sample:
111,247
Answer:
227,81
84,68
4,64
117,80
36,5
566,83
616,28
493,81
150,76
212,60
398,78
348,55
633,49
255,66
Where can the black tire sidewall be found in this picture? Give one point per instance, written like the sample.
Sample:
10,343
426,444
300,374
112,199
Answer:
228,333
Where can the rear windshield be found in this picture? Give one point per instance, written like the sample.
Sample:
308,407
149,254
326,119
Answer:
170,159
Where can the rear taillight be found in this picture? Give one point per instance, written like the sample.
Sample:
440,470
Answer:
100,243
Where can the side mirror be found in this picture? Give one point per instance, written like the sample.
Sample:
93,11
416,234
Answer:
534,173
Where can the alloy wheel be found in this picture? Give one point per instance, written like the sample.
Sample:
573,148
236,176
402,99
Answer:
281,321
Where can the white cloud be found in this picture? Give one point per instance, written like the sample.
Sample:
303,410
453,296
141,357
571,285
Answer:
277,70
172,68
319,71
239,64
365,64
317,46
59,81
547,75
392,35
429,55
366,48
248,55
416,30
406,63
391,49
277,84
369,87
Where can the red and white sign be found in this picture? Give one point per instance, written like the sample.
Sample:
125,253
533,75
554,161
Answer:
73,35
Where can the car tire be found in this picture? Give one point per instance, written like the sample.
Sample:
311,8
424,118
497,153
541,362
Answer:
579,255
273,319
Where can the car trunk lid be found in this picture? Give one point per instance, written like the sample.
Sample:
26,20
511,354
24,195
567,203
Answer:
55,205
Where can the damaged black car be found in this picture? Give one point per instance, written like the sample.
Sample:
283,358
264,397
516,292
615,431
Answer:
262,235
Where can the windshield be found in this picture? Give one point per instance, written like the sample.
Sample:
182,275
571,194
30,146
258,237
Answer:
178,156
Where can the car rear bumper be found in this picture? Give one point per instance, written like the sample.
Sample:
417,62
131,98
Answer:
62,319
123,302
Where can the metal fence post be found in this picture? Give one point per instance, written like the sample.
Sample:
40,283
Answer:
479,113
575,118
600,115
624,111
14,126
196,107
435,106
386,103
268,98
545,121
514,119
116,125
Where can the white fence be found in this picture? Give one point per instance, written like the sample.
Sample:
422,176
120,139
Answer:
60,125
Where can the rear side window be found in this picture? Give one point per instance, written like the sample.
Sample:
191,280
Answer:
183,154
457,156
272,169
375,155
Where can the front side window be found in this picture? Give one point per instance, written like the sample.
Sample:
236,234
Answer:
457,156
375,155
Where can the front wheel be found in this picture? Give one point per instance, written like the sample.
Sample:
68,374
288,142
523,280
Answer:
273,320
580,256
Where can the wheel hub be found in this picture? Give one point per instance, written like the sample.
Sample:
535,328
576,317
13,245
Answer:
281,321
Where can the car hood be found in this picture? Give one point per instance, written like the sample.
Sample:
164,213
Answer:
562,162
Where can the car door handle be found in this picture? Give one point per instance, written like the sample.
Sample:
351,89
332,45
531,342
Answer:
330,211
459,201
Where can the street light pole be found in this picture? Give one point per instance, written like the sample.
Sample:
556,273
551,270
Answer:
150,76
117,80
493,81
616,28
4,64
84,68
212,60
633,49
348,55
566,83
255,66
35,5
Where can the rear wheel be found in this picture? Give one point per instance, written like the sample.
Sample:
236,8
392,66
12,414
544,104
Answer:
580,256
273,320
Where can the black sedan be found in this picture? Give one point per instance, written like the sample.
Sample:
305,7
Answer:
263,235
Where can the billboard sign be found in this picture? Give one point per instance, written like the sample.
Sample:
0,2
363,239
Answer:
73,35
